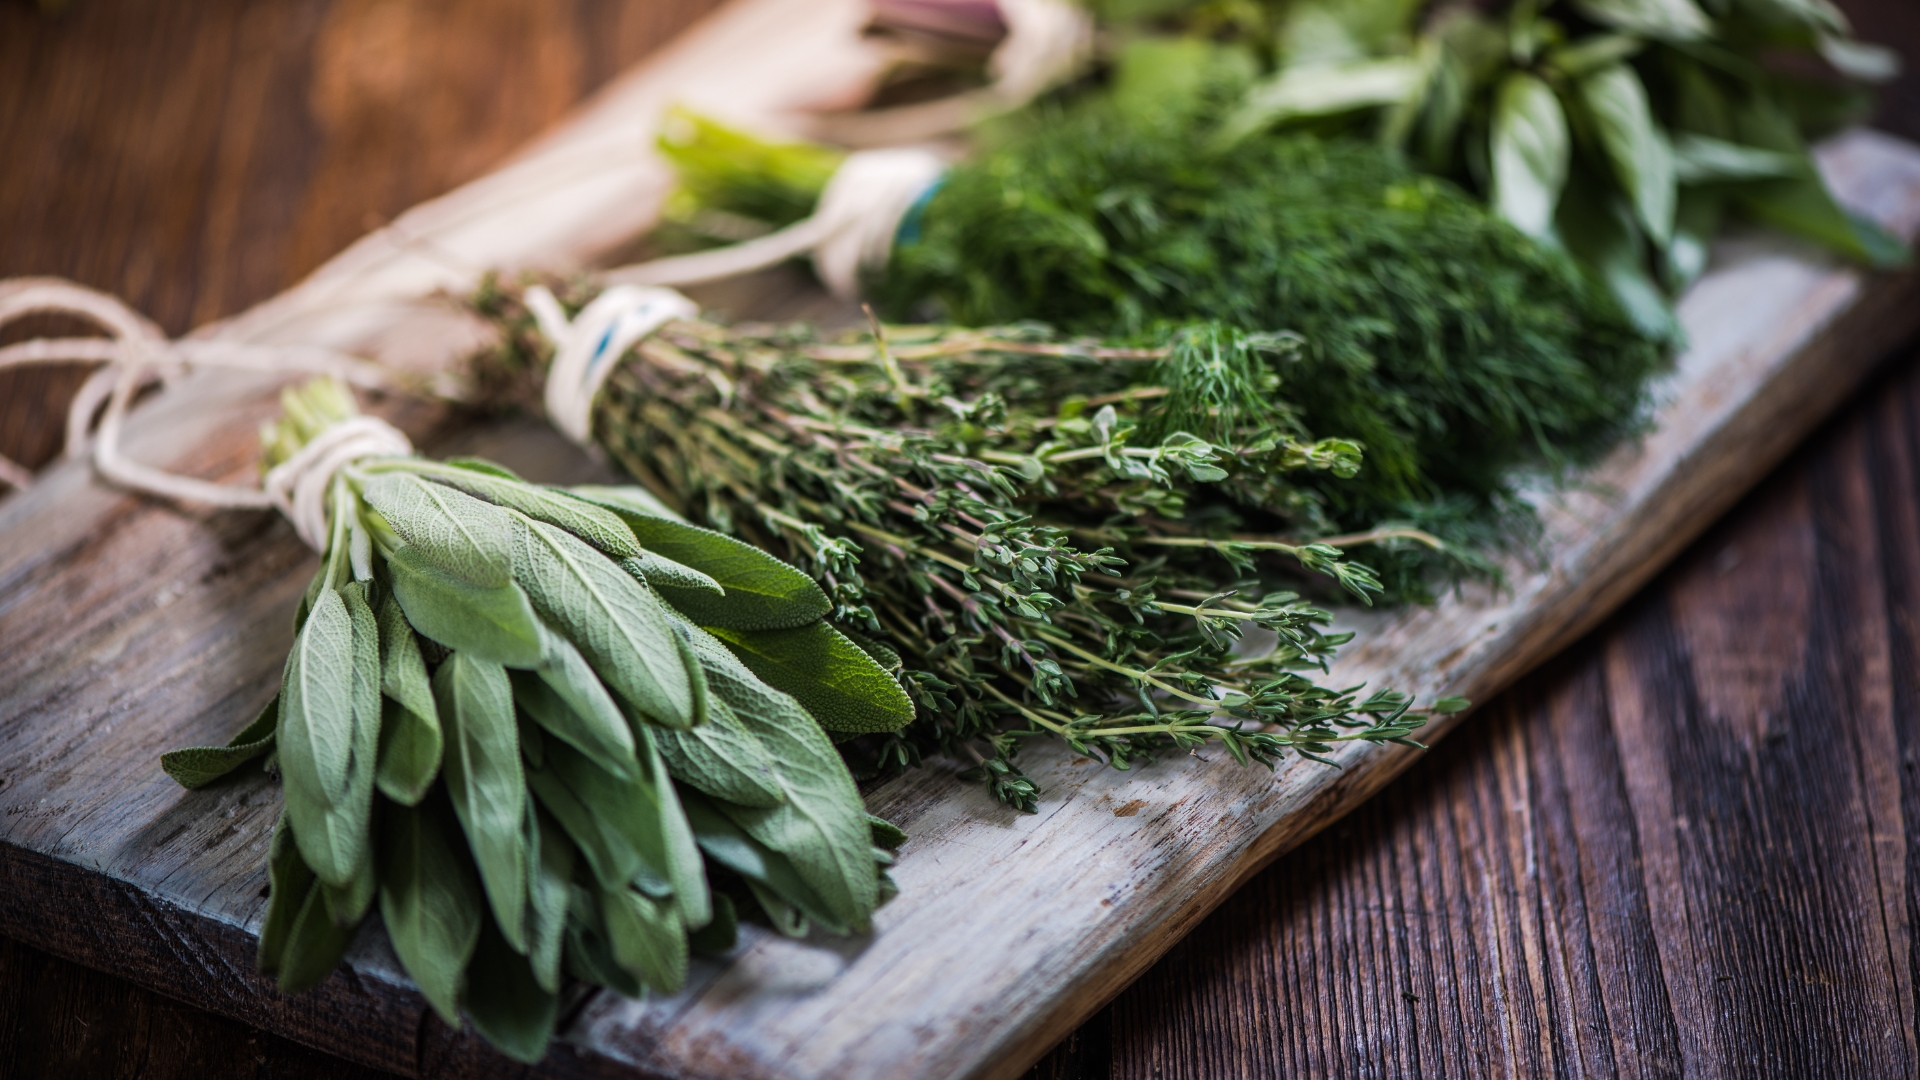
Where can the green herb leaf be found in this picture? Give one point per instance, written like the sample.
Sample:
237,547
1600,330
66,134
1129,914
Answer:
410,738
505,1000
198,766
1700,159
595,525
760,591
615,621
565,697
885,833
730,845
1530,153
588,954
1641,156
685,870
721,758
314,945
1671,20
1600,233
646,937
430,901
1321,90
328,737
485,782
288,882
720,935
547,897
463,535
657,571
840,685
618,824
495,624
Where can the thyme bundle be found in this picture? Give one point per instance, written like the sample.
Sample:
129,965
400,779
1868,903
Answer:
545,730
1041,539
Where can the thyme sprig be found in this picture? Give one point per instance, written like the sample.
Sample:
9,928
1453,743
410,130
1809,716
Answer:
1032,561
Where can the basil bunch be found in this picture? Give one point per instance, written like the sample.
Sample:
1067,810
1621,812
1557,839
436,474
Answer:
550,730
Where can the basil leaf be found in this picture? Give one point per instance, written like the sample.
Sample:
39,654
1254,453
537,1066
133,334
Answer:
490,623
615,621
1635,145
430,901
410,740
1695,223
721,758
1700,159
1318,90
646,938
597,526
1801,204
657,570
505,1000
1530,153
1670,20
565,697
468,537
485,782
841,686
328,736
758,590
198,766
1600,235
547,897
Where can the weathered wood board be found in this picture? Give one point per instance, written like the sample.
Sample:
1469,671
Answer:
127,627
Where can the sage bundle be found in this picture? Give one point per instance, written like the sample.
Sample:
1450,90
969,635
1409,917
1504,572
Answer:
1043,537
548,731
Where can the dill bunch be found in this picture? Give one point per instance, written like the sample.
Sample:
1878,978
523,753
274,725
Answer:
1452,347
1023,527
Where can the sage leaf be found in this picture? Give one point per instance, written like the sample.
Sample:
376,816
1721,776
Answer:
288,882
885,833
646,938
616,823
1636,146
489,623
759,592
831,677
820,824
410,740
486,784
347,904
430,901
721,758
482,465
615,621
721,934
1530,153
882,653
468,537
329,730
314,945
657,570
728,844
547,897
198,766
565,697
597,526
685,870
588,954
505,1000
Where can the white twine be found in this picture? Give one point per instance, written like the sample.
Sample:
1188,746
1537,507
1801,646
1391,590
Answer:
137,355
586,350
851,232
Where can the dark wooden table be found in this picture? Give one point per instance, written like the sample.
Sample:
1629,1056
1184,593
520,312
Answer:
1691,845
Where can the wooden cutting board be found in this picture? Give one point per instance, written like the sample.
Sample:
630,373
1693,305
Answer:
128,627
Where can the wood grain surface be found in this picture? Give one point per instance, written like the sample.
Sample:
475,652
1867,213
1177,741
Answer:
1317,1003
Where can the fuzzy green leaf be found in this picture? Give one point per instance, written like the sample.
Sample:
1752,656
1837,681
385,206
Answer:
430,901
728,844
288,882
315,945
547,898
490,623
466,536
485,782
616,823
1699,159
505,1000
597,526
410,739
615,621
647,938
659,571
831,677
1310,92
722,758
760,591
565,697
1601,234
198,766
329,731
1670,20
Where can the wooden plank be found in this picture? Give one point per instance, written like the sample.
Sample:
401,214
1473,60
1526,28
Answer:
915,998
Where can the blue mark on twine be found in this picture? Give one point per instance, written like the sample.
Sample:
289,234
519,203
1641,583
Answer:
910,222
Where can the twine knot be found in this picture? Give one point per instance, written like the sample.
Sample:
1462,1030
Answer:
586,349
